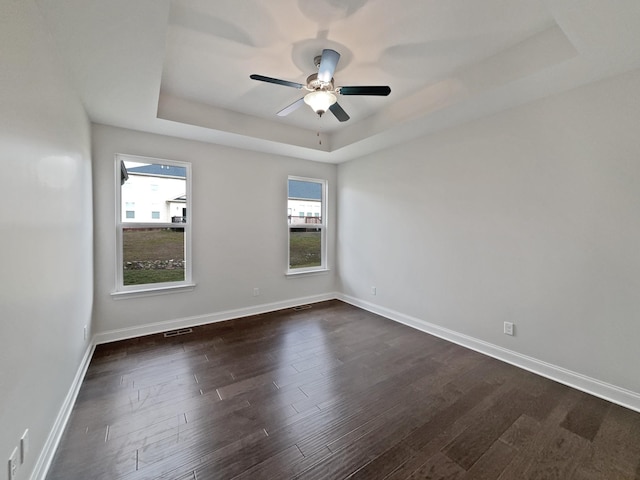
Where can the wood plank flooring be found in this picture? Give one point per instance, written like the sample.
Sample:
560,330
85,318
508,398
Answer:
332,392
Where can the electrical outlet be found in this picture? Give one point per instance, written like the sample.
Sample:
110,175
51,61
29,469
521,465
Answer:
13,464
373,291
256,292
508,328
24,446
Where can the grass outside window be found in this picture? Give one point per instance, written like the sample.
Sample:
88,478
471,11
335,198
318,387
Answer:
305,248
153,255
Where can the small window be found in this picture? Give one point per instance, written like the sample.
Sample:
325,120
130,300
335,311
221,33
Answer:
154,254
307,233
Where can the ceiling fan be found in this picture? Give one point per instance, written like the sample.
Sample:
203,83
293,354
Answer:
323,95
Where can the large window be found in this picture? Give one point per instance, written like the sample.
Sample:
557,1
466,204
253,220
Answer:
306,211
153,223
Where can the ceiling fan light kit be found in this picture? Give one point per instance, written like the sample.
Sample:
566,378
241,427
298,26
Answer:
320,100
323,95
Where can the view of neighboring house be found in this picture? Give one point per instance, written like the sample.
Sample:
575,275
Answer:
304,202
153,193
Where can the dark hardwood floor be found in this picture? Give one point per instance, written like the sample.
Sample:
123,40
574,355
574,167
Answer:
332,392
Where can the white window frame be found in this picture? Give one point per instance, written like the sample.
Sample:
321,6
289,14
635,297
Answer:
323,267
151,288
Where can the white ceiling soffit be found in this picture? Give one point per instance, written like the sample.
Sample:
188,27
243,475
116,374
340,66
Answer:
182,67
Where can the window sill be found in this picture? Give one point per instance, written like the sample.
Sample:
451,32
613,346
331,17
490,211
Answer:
294,273
148,292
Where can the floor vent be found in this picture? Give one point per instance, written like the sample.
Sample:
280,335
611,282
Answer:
175,333
302,307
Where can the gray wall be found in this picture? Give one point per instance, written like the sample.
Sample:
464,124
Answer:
530,216
45,232
239,234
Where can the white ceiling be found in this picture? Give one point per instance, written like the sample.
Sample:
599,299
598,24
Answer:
181,67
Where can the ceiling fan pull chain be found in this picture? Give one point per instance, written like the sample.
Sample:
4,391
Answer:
319,130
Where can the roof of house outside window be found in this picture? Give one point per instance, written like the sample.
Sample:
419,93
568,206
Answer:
301,190
159,170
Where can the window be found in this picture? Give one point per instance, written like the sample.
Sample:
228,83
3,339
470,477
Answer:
130,211
156,254
307,234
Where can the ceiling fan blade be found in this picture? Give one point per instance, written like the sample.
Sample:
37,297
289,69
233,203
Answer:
277,81
294,106
328,65
339,113
382,91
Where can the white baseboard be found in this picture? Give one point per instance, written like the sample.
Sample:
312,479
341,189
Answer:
46,455
620,396
194,321
48,451
612,393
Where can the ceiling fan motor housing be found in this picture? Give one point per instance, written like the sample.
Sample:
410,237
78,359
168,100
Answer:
314,84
